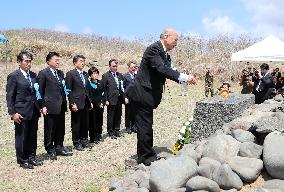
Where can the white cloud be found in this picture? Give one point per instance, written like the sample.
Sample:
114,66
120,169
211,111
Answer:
267,16
61,28
221,25
88,30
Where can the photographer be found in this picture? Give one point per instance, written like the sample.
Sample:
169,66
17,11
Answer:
246,82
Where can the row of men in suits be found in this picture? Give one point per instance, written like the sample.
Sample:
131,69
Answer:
29,95
114,84
144,94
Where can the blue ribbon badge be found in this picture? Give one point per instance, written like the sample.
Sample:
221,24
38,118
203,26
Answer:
67,91
38,96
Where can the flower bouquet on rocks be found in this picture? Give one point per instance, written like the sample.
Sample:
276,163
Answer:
184,135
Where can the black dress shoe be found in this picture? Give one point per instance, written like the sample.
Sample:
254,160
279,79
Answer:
79,148
35,162
52,156
95,141
118,134
158,158
134,129
147,163
113,137
63,153
26,165
128,130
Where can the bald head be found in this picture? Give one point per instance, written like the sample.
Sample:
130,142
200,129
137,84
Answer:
169,38
167,31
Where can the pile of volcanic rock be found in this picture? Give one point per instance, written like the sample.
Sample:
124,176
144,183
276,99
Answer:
235,155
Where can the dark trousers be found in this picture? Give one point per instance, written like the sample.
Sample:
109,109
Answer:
144,123
129,116
26,139
96,123
113,118
80,125
54,131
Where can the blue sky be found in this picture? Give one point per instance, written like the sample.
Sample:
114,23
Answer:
129,19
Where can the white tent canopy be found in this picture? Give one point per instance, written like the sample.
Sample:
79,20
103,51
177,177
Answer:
269,49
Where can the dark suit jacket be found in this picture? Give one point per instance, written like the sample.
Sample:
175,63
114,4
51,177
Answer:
20,96
112,93
52,91
79,94
127,79
154,69
264,86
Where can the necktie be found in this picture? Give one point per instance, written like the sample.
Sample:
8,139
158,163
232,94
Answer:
168,63
258,89
132,75
28,77
82,78
56,75
116,79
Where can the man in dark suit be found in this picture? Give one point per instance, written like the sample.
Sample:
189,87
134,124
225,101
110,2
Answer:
129,77
262,87
113,87
146,91
24,111
51,85
80,102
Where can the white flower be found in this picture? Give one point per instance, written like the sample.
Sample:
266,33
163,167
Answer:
187,123
182,131
180,137
189,129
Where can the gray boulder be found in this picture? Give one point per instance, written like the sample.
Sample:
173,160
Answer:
189,150
226,178
202,183
278,98
248,169
173,173
143,190
129,183
207,170
266,190
183,189
207,166
200,147
141,178
230,190
246,121
243,136
221,147
273,155
274,184
270,123
207,160
250,149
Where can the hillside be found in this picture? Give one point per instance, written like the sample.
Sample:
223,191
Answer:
192,53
